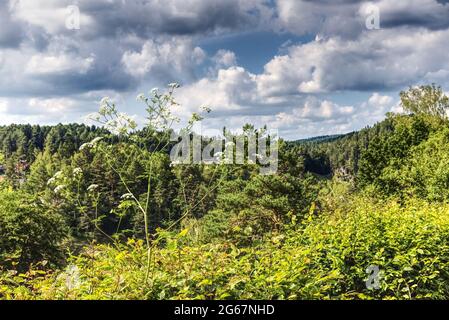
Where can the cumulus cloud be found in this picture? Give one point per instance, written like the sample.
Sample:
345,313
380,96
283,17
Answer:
119,45
378,61
347,18
106,18
430,14
123,46
235,91
225,58
174,58
304,117
11,33
39,110
42,64
320,17
379,100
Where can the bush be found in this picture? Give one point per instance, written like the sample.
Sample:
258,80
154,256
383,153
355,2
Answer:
408,242
425,173
247,211
29,233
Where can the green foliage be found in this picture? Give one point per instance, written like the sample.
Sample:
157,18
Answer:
28,232
26,140
247,210
341,155
390,151
325,259
424,173
428,100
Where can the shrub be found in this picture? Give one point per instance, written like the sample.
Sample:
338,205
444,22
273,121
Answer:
29,233
246,211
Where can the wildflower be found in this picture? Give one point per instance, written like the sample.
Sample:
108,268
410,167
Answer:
77,171
141,97
122,124
195,118
95,141
92,188
59,188
91,144
102,111
127,196
174,85
104,101
51,181
154,91
206,109
58,175
84,146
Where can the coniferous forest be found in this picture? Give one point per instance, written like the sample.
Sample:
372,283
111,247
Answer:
101,211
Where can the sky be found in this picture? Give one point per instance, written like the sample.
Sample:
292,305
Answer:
302,67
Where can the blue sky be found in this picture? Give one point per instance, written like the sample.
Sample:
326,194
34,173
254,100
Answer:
302,67
253,49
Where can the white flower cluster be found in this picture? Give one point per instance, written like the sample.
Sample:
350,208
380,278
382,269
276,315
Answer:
92,144
51,181
141,97
108,116
174,85
77,172
127,196
59,188
121,124
92,188
55,180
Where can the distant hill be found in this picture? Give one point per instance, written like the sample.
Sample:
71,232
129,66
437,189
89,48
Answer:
320,139
340,153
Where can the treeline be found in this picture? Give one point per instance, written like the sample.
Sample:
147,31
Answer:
25,141
328,155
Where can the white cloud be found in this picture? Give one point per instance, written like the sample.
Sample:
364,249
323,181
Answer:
320,17
231,90
50,15
4,106
38,110
177,55
38,106
41,64
379,60
234,97
50,105
225,58
347,18
378,100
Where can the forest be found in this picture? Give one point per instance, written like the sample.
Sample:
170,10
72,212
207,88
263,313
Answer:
101,212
